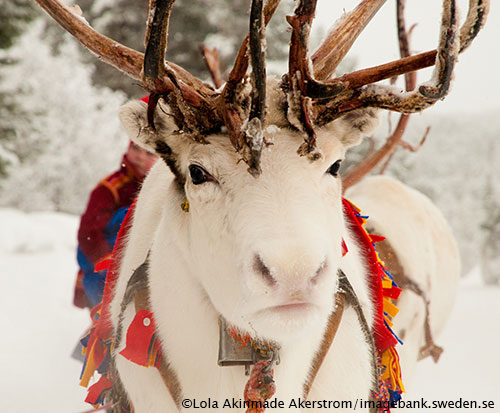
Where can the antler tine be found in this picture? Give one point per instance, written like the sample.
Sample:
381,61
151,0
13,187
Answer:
404,43
476,18
212,61
161,78
242,59
229,102
299,73
156,42
474,22
299,83
426,95
341,38
254,130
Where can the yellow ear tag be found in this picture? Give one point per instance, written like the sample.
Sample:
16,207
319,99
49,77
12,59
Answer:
185,206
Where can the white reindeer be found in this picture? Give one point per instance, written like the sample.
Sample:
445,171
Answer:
264,249
203,263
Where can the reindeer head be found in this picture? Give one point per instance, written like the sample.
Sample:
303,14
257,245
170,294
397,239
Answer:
259,240
265,249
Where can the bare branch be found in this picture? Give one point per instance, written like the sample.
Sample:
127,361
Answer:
408,147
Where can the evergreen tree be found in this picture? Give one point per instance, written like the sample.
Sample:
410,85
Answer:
67,136
14,15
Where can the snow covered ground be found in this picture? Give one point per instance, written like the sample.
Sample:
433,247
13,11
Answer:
39,326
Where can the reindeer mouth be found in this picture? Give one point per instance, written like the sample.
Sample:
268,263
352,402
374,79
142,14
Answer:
290,309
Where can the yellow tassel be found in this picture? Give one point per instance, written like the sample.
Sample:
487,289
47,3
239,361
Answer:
390,360
390,308
379,260
388,321
386,283
89,369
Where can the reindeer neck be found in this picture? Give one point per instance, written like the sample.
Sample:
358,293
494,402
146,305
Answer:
187,324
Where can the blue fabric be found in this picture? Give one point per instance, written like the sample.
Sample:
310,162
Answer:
114,224
93,282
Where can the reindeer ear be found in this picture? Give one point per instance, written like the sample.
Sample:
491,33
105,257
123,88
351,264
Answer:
133,117
356,125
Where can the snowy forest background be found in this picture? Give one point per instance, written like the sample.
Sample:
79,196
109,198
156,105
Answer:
60,134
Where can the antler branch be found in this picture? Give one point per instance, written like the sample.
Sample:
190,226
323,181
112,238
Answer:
121,57
474,22
390,98
211,58
254,131
299,73
156,42
232,100
342,37
361,93
387,150
313,98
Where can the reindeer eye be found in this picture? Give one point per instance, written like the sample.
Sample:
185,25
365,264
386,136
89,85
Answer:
199,175
334,168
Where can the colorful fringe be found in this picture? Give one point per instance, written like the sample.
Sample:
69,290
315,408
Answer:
384,290
142,346
98,343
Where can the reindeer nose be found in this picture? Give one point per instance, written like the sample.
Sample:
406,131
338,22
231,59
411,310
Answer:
260,268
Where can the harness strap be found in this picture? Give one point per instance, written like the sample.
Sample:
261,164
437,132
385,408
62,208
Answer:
138,291
352,299
345,296
326,342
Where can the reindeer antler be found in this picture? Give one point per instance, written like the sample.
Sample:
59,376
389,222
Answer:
233,101
340,40
313,98
360,92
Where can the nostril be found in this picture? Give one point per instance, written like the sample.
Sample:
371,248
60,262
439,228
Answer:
262,269
319,272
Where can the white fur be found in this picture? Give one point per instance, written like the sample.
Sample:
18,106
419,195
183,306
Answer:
201,265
